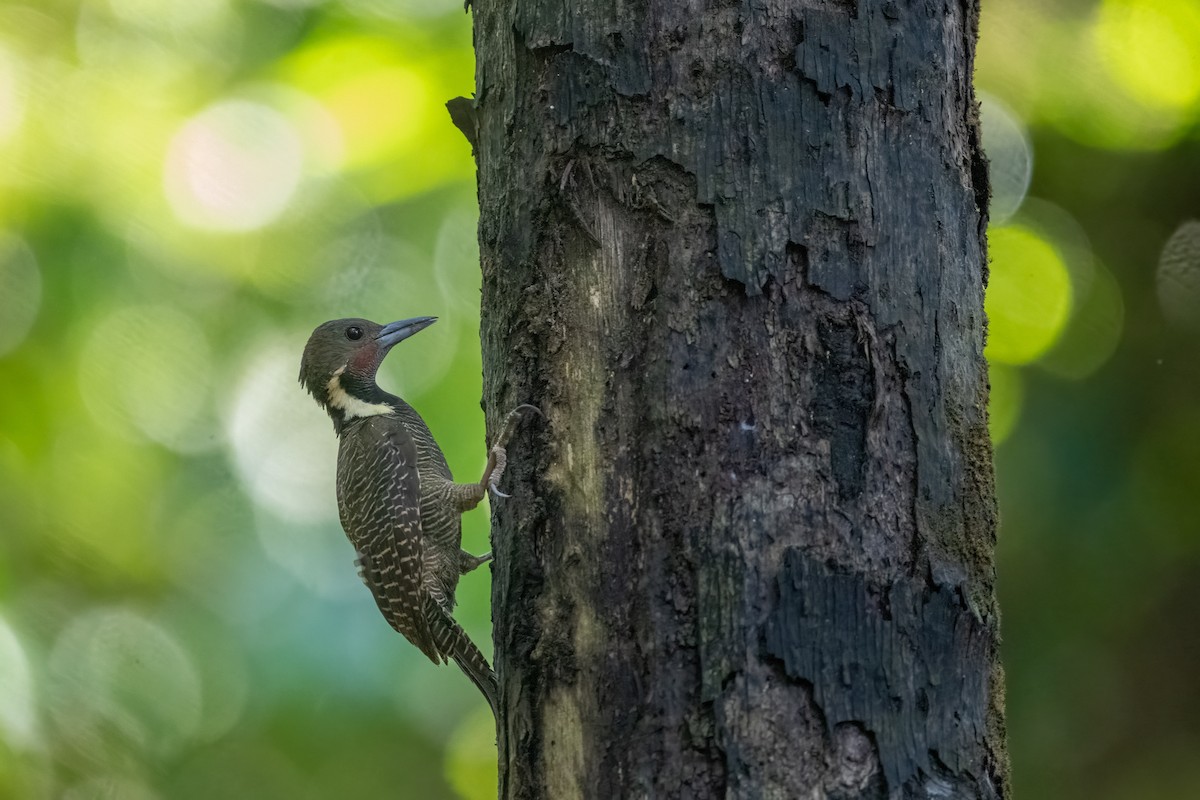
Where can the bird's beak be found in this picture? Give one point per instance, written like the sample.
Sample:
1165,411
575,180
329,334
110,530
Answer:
395,332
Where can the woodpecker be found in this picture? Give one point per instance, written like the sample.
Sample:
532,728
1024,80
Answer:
397,499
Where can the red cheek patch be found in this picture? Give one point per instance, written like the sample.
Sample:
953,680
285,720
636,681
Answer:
365,360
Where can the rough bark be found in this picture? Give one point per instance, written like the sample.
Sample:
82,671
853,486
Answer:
735,251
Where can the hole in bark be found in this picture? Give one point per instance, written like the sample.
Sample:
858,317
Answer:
797,258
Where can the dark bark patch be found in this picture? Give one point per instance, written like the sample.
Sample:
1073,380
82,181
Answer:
829,632
843,396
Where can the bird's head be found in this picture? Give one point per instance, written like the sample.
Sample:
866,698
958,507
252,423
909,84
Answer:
342,357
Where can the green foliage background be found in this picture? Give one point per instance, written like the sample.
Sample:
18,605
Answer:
186,189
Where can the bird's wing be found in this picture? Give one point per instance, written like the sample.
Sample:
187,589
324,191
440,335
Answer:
379,495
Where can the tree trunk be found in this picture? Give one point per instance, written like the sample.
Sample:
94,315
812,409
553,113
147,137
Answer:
735,251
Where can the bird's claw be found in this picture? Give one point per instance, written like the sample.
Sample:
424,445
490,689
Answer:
469,563
498,457
497,461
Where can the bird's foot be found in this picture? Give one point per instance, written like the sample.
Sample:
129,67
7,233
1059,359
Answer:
468,562
497,461
510,422
498,456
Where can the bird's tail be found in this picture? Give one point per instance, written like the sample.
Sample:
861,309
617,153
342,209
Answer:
452,642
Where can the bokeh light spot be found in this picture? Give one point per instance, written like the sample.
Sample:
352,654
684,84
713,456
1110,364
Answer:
17,720
1084,99
148,369
1010,157
372,88
20,291
386,96
233,167
1152,48
1028,295
1178,278
283,446
1004,406
119,683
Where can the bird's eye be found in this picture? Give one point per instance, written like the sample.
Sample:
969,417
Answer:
354,333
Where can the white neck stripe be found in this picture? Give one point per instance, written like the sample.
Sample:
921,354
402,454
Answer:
350,406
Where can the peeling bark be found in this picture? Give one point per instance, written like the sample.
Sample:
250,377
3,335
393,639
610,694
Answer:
735,251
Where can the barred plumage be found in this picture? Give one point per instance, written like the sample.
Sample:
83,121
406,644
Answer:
392,481
397,499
